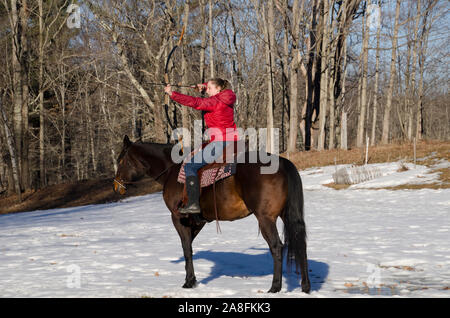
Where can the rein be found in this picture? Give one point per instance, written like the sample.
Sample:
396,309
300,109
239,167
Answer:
122,184
215,204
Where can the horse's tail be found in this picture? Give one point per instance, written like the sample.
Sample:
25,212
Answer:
294,225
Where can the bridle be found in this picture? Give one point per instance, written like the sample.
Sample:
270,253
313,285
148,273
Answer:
120,185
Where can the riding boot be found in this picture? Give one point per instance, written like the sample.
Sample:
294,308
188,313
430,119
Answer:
193,192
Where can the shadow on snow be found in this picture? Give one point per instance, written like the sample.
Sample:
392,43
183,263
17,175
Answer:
252,265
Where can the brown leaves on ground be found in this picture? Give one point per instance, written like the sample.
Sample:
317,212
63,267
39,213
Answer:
74,194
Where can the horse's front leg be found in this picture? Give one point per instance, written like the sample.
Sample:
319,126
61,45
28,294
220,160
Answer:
187,235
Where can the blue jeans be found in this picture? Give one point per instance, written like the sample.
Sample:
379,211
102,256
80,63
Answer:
205,156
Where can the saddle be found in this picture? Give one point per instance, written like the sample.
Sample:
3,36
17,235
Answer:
209,174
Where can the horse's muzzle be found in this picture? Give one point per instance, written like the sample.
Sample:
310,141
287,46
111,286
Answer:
119,187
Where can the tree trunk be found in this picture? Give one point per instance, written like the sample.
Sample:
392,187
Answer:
344,130
16,83
25,172
345,16
270,89
211,40
285,77
184,71
364,74
203,52
324,75
422,57
12,152
203,39
269,37
312,75
90,130
332,106
375,89
390,91
293,75
42,173
340,91
241,87
62,92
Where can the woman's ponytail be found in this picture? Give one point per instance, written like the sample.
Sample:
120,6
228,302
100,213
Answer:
223,84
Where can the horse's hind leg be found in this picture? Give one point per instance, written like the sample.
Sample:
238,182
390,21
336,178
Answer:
187,235
270,233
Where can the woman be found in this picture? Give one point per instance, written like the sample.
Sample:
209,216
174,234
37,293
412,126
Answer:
219,118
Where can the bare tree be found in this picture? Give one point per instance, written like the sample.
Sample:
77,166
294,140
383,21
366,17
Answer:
426,25
211,40
364,74
184,70
375,89
390,90
12,151
324,72
296,65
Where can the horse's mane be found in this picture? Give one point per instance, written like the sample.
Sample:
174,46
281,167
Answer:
155,149
153,146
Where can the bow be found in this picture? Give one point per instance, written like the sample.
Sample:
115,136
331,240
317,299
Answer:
166,79
166,68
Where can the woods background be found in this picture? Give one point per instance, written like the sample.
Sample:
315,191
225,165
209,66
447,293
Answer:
327,73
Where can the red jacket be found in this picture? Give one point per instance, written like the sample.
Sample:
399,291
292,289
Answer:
219,113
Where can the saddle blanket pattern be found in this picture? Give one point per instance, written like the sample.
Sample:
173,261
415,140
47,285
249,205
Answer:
207,175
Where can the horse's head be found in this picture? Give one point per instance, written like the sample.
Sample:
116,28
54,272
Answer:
129,168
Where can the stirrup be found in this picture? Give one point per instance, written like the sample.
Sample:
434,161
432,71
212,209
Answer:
194,208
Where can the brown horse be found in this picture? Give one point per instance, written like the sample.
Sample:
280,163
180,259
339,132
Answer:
267,196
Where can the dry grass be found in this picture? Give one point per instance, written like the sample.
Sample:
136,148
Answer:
335,186
414,186
377,154
444,175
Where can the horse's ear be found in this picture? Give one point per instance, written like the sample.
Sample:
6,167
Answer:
126,142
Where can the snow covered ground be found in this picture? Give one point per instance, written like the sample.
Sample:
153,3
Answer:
361,243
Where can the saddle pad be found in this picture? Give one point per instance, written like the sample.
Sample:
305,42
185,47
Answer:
209,175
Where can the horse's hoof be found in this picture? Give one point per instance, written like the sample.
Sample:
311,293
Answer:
190,284
306,287
274,290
